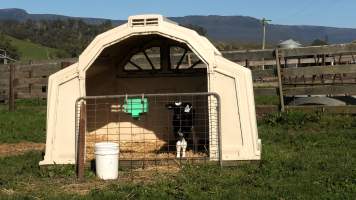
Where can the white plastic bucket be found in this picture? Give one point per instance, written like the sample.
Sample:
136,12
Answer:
107,160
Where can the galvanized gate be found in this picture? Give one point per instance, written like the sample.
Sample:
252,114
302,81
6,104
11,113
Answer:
145,126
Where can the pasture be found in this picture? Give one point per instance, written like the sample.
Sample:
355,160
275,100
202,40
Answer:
32,51
305,156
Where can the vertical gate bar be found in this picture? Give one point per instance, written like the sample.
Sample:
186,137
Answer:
218,107
119,127
144,140
76,122
95,122
169,133
206,135
193,133
212,137
156,151
180,125
81,143
131,149
154,124
107,108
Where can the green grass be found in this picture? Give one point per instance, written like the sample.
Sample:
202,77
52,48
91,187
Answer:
305,156
267,100
27,123
32,51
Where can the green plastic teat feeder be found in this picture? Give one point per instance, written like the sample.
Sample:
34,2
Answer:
135,106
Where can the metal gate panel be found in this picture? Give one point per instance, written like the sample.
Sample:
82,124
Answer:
148,137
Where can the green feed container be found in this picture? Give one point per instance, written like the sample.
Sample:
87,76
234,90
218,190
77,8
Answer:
136,106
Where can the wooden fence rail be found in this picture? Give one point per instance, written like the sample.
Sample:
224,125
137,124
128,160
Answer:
29,79
323,70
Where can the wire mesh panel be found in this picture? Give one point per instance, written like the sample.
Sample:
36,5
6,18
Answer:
154,129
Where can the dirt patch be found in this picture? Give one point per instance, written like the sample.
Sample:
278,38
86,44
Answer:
20,148
85,187
147,175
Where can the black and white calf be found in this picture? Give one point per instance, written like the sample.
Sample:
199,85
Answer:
183,122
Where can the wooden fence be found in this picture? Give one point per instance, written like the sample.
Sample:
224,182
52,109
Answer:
28,80
324,70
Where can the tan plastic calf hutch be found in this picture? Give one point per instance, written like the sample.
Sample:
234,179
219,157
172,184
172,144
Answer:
161,65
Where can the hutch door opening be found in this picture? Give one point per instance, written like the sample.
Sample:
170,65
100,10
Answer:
176,120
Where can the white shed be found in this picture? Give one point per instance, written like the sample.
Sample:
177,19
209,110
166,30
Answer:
109,66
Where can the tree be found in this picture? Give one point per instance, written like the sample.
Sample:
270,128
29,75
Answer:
71,35
202,31
106,25
319,42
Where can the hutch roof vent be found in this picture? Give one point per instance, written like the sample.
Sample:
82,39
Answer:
144,20
147,20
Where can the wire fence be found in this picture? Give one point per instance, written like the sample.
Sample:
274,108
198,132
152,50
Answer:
152,130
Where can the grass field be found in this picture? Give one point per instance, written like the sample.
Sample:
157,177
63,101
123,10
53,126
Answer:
305,156
27,123
267,100
32,51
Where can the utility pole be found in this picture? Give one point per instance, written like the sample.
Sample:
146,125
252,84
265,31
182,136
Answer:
264,22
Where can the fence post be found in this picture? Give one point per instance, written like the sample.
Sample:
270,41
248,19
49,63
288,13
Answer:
65,64
247,65
11,88
81,143
280,85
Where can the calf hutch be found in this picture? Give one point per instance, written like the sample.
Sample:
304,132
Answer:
160,91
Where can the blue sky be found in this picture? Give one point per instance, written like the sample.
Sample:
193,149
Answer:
337,13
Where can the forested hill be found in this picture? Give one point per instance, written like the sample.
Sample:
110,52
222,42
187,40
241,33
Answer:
21,15
248,29
222,28
70,35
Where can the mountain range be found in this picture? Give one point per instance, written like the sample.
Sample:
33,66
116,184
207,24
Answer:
221,28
